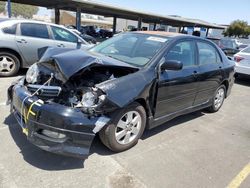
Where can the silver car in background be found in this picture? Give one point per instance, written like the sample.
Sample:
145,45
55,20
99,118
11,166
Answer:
21,39
242,59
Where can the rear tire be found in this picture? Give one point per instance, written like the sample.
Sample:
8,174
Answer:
126,127
218,99
9,64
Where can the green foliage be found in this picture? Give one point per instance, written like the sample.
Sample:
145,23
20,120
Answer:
2,6
238,28
25,11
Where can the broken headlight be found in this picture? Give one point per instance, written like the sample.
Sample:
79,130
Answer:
32,74
91,99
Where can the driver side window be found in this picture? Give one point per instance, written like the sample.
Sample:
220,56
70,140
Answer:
183,52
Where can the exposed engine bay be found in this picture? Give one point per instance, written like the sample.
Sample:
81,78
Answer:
79,90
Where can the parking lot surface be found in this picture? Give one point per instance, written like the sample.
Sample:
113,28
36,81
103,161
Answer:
195,150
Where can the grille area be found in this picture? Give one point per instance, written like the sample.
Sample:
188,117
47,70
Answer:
45,91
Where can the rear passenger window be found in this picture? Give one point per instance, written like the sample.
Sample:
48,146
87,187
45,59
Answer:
10,29
34,30
183,52
207,54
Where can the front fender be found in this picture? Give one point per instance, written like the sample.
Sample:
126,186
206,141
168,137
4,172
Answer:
122,91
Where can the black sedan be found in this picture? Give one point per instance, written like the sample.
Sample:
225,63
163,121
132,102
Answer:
117,89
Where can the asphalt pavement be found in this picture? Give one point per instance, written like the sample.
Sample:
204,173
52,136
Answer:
196,150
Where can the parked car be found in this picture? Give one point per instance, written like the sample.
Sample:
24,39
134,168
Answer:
21,39
242,60
228,46
118,88
104,33
84,36
89,30
242,46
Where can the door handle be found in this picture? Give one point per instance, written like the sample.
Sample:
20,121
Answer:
195,73
22,41
61,45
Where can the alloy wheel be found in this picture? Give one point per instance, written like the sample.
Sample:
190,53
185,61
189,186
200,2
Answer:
128,127
219,98
7,64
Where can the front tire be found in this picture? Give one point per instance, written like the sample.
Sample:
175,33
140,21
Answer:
125,129
9,64
218,99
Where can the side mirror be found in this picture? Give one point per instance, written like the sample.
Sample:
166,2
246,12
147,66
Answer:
171,65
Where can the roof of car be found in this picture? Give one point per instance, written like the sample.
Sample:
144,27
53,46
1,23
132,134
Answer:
29,21
161,33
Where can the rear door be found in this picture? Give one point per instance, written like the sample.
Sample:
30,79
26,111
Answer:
210,71
30,37
65,39
177,89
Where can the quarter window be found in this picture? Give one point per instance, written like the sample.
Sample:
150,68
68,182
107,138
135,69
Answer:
34,30
63,35
207,54
10,29
183,52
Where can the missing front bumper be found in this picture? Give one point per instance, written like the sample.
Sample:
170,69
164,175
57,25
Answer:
37,118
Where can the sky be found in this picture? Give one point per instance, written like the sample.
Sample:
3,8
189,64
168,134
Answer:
215,11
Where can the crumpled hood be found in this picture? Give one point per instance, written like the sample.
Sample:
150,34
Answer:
70,61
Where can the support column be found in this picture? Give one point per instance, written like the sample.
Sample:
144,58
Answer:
9,8
114,24
154,26
179,29
139,24
78,19
207,31
57,16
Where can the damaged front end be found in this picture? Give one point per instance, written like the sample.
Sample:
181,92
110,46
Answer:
59,104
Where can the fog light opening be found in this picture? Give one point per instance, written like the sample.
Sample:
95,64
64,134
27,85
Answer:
53,134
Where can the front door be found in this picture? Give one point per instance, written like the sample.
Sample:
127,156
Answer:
30,37
177,89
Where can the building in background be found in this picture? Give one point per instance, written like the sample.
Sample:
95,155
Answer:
44,18
69,18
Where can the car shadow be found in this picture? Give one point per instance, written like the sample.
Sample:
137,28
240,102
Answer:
51,162
22,72
99,148
243,80
176,121
37,157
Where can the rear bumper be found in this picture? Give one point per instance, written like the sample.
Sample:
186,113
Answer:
242,69
70,131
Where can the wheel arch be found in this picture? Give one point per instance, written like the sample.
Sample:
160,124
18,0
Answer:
226,84
144,104
15,53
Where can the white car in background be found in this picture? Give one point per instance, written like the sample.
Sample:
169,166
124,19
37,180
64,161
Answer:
21,39
242,60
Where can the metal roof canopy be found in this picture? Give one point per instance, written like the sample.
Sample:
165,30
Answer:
91,7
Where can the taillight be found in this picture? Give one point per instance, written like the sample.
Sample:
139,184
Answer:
238,58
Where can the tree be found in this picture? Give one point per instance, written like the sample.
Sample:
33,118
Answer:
237,28
2,7
25,11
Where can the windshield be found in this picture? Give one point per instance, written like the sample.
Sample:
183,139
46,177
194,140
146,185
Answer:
246,50
229,44
133,48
